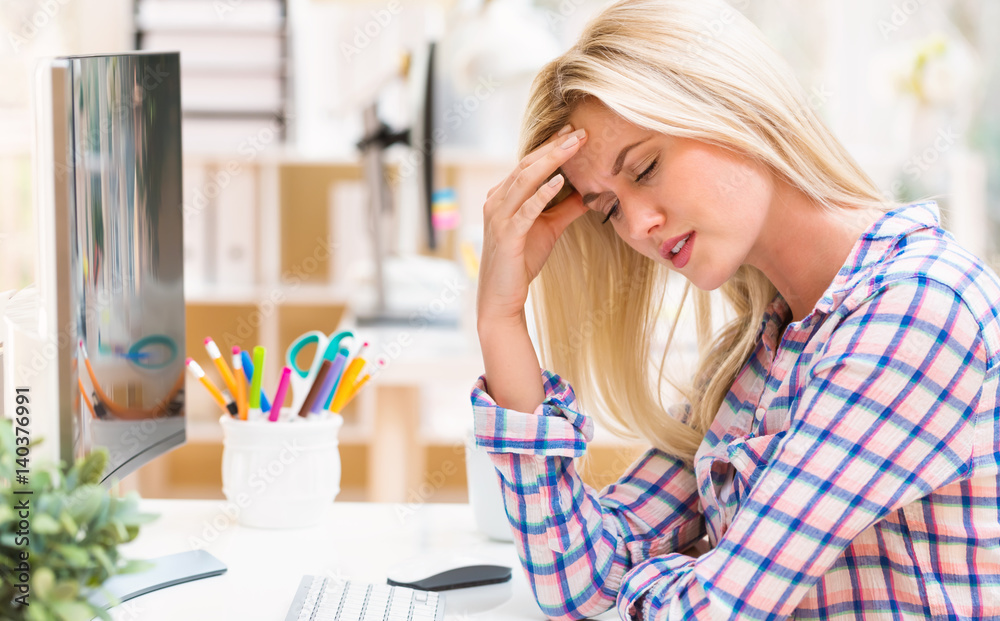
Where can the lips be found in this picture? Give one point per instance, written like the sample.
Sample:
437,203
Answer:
667,249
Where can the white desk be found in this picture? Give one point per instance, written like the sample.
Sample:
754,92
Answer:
356,541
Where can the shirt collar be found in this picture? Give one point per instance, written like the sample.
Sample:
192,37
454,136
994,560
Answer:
869,250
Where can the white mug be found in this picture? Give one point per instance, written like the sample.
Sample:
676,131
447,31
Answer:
281,474
484,493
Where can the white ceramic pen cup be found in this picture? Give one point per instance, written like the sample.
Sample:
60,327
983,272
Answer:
484,492
281,474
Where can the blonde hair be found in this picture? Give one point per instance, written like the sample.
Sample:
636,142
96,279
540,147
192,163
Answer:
696,69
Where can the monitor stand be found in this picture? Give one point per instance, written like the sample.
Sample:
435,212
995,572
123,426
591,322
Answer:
166,572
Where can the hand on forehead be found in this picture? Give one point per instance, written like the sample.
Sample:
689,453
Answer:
609,137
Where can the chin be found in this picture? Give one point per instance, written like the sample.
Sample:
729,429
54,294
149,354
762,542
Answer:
708,282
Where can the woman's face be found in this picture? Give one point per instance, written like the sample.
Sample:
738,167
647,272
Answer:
660,188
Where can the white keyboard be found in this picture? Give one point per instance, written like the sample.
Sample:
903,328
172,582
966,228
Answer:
325,599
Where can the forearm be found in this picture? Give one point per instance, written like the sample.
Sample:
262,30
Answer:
511,364
574,543
571,546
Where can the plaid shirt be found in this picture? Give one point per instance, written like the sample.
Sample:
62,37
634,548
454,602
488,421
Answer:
851,473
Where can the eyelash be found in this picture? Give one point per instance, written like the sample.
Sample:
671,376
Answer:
640,177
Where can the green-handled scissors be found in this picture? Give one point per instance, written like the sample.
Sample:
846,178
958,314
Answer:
326,349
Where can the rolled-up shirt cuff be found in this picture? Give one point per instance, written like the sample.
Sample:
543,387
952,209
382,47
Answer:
555,428
648,579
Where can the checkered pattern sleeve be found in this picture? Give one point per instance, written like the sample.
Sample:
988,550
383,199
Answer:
886,416
576,544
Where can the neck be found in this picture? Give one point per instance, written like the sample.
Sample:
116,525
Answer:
802,246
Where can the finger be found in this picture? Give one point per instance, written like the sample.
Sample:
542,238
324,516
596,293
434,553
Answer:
530,159
535,175
533,207
493,190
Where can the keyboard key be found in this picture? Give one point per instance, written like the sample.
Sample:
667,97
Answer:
320,599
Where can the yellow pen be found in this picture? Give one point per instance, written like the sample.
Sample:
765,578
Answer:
357,387
241,383
199,373
347,381
220,364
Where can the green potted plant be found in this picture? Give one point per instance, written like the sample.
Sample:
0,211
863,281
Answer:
59,535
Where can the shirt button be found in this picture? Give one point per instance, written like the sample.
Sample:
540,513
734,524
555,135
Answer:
760,413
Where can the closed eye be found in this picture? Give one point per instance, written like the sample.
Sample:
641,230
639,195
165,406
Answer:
616,205
648,170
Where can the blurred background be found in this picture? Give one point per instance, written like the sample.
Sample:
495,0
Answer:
337,155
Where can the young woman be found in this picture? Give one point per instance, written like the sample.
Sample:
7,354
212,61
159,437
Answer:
840,440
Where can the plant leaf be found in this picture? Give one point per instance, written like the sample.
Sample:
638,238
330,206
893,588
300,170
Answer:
133,566
69,524
103,558
44,524
92,468
41,480
75,556
103,614
37,611
74,610
66,589
42,582
85,503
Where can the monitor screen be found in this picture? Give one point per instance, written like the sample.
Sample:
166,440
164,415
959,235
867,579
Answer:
108,167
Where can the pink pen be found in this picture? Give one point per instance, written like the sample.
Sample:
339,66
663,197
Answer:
279,395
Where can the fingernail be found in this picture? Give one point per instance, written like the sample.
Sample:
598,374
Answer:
554,181
572,140
565,130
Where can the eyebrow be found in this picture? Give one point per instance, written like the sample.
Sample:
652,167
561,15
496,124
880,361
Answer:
617,168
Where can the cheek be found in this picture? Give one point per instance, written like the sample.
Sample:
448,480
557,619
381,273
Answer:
712,176
738,181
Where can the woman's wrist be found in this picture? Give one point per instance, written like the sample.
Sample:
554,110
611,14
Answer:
510,362
489,326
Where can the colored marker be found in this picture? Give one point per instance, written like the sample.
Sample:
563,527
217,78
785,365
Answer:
317,406
314,390
336,370
199,373
248,369
360,384
254,398
220,364
241,383
279,394
355,390
348,380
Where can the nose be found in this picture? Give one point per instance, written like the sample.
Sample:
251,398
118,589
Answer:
642,216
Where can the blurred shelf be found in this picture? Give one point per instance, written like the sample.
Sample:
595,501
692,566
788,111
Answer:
289,155
320,295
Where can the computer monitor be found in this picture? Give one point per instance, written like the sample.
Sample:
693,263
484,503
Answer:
110,267
422,136
110,242
417,167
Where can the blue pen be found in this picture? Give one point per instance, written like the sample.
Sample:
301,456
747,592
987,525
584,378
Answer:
265,405
336,370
